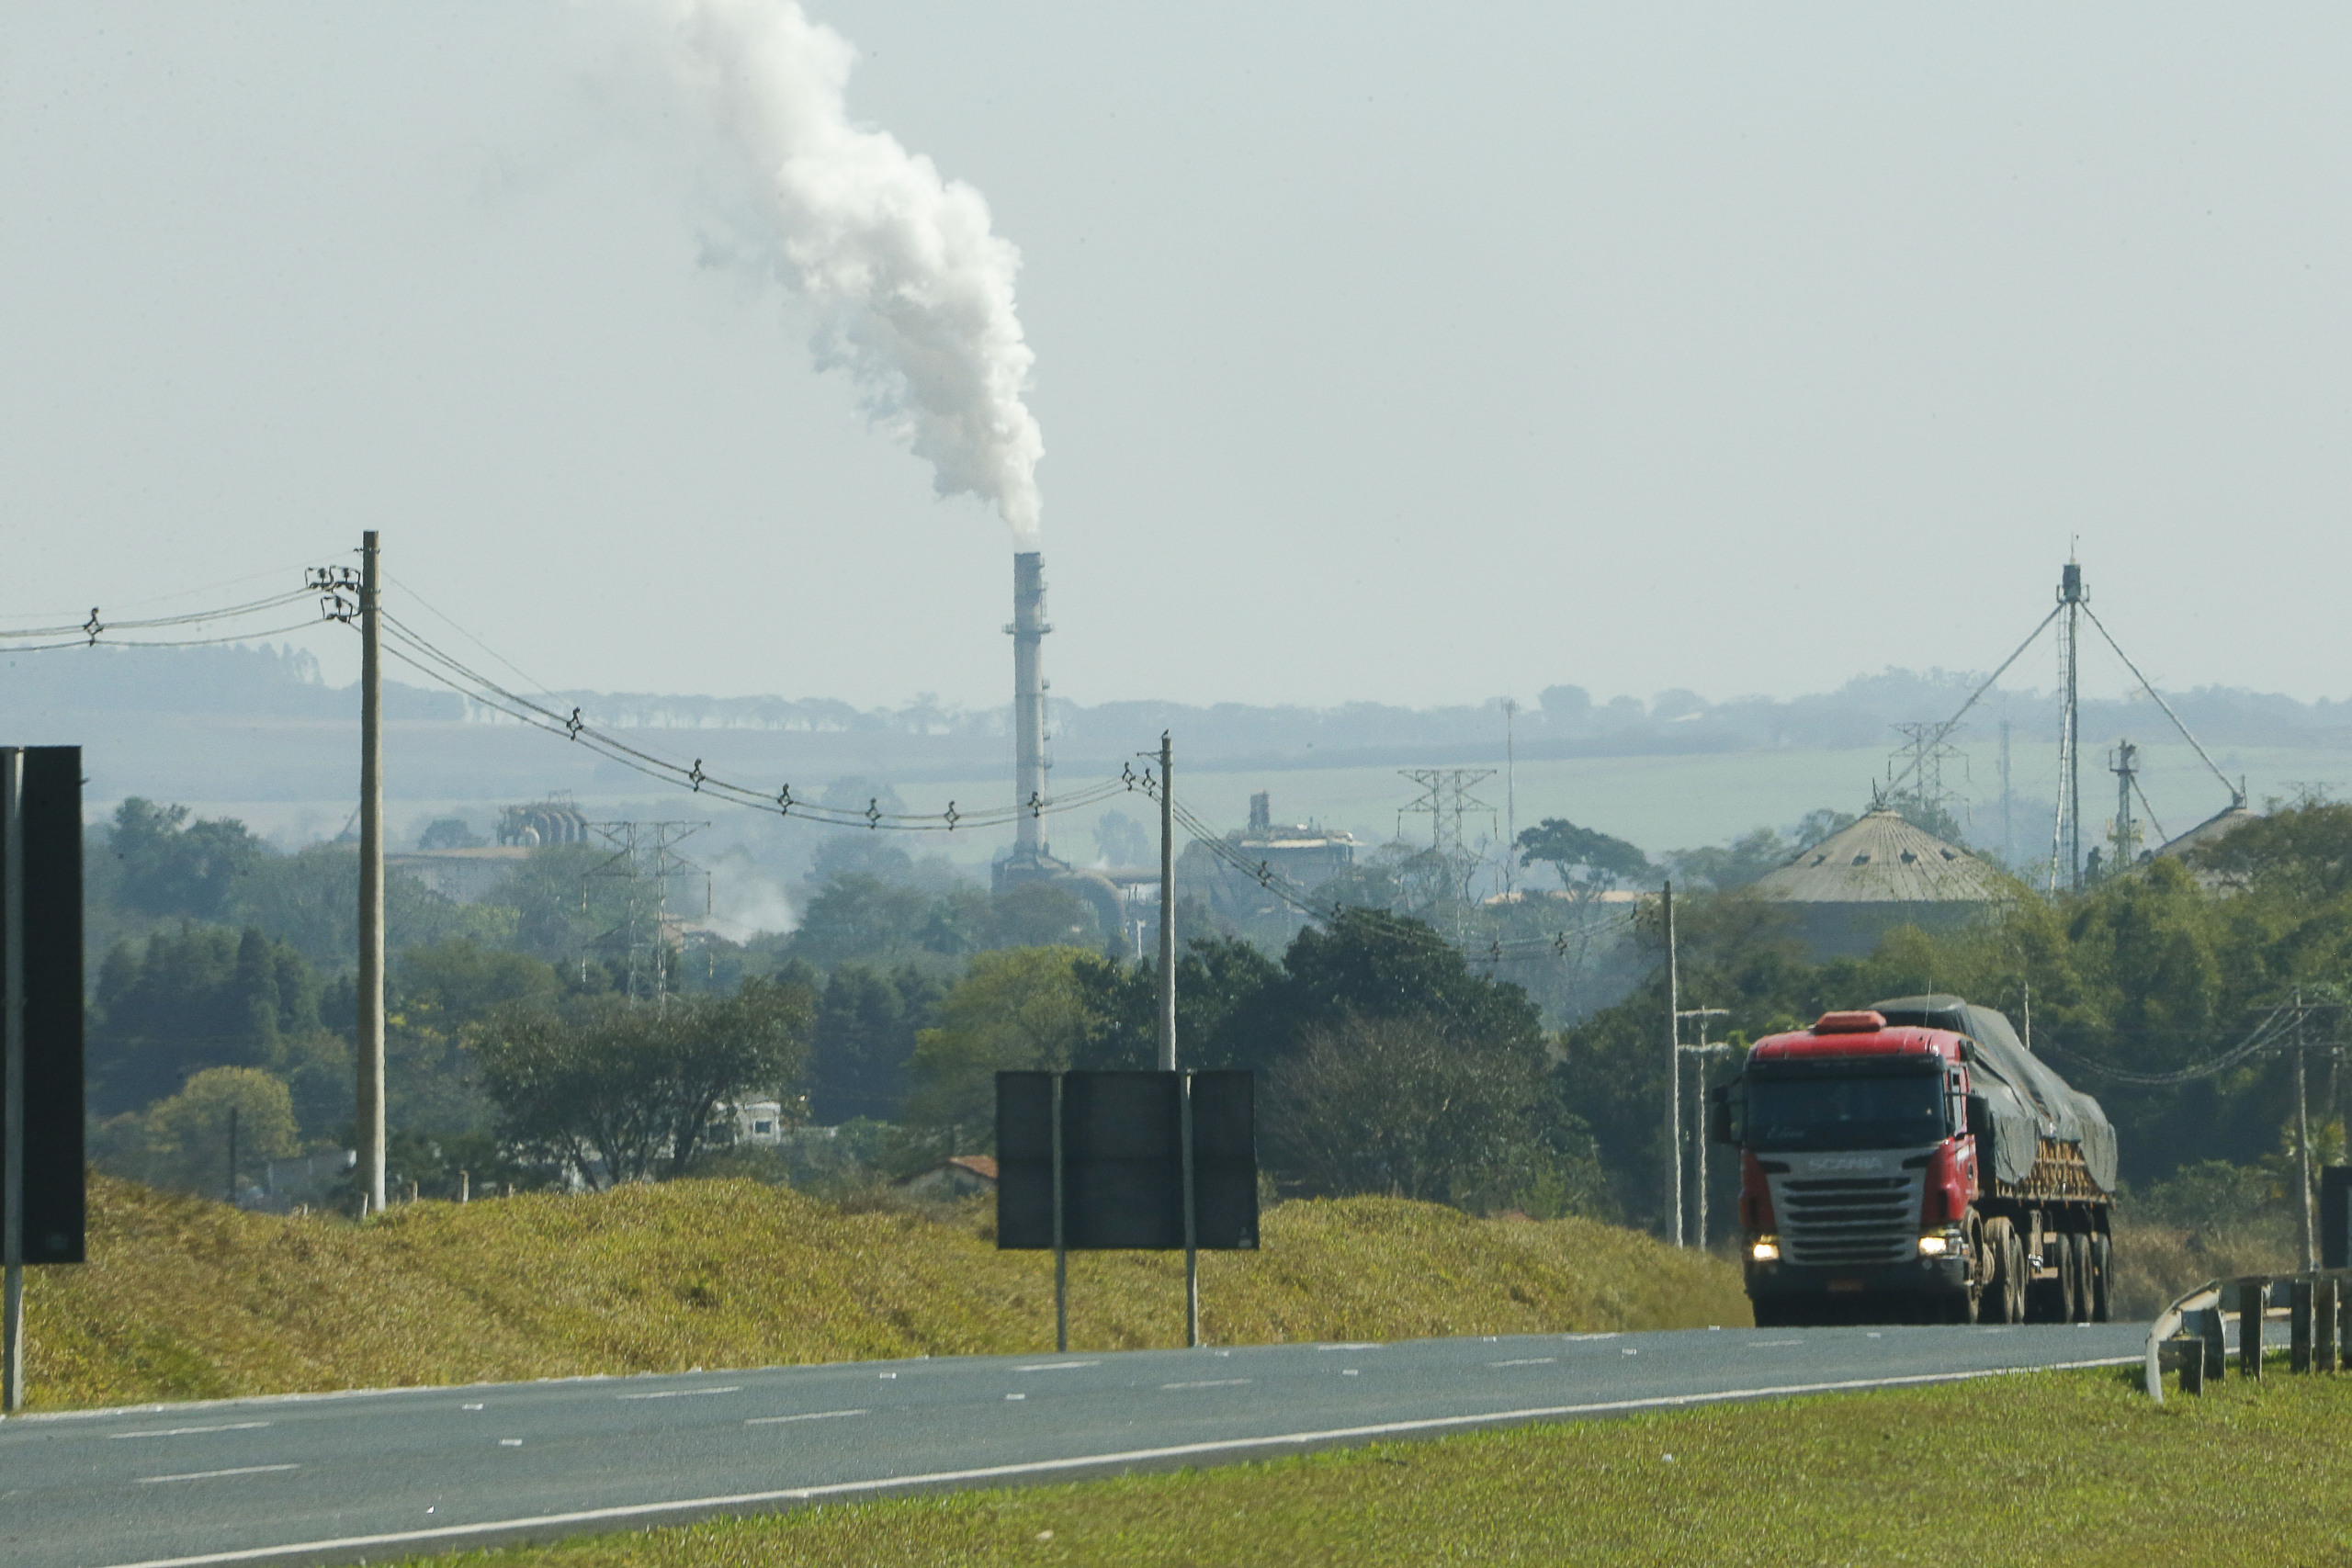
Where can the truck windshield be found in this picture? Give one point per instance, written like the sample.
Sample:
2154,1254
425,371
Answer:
1877,1113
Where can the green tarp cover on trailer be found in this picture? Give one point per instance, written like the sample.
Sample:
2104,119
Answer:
2028,1102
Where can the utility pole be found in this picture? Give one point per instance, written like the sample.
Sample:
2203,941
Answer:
2302,1144
1673,1072
2125,834
371,883
1167,905
1167,1029
1699,1054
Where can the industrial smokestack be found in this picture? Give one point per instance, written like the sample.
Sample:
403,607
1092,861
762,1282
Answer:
1028,630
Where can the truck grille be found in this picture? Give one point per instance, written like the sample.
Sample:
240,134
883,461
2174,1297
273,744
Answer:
1832,1220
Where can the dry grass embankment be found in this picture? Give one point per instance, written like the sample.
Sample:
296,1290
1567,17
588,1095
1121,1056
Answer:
2156,1263
187,1299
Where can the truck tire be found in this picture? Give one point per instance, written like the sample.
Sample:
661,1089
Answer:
2046,1300
2086,1276
2069,1276
2005,1293
2102,1278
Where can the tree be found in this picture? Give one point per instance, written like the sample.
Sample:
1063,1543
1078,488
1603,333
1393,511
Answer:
620,1092
1369,964
191,998
1403,1105
1723,867
448,834
1217,980
1605,860
1016,1007
1120,841
171,869
311,900
186,1136
866,1027
2303,851
1042,914
859,917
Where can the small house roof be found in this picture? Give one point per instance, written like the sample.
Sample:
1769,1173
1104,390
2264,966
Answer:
1882,859
981,1166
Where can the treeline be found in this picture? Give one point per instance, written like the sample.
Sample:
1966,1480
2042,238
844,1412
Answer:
1392,1055
1563,721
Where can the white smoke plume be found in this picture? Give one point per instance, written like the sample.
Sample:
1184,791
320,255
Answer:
914,292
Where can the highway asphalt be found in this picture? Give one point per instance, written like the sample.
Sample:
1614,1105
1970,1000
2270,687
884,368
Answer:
338,1478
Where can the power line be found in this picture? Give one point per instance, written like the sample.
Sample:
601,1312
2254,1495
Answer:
419,653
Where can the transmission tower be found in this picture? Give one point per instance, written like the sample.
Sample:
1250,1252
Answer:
645,862
1445,799
1928,748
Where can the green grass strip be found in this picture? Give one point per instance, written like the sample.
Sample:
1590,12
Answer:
2072,1467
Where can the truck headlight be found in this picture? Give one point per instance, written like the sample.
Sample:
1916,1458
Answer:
1934,1245
1766,1249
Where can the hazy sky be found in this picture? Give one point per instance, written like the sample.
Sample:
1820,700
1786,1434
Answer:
1385,352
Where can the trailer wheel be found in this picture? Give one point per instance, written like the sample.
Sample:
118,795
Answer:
2073,1255
2086,1281
2051,1300
2102,1278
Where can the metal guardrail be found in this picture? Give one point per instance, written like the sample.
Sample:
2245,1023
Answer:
2317,1309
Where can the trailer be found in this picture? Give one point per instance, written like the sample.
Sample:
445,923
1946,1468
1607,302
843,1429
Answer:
1914,1161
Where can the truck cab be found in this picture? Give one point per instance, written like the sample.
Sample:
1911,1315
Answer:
1858,1172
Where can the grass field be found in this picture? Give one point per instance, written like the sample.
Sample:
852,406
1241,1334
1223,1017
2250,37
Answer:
2074,1468
185,1297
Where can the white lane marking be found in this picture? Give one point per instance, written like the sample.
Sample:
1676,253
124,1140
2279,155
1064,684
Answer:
216,1475
1629,1350
1352,1345
1080,1461
1056,1366
510,1442
1580,1338
812,1415
1768,1343
681,1393
1349,1372
1016,1396
1211,1383
470,1407
1527,1362
189,1431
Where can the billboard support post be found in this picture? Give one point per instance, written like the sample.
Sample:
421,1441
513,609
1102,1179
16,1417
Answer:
1061,1251
12,1088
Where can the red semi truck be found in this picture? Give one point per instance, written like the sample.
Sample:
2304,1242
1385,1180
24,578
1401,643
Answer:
1914,1161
